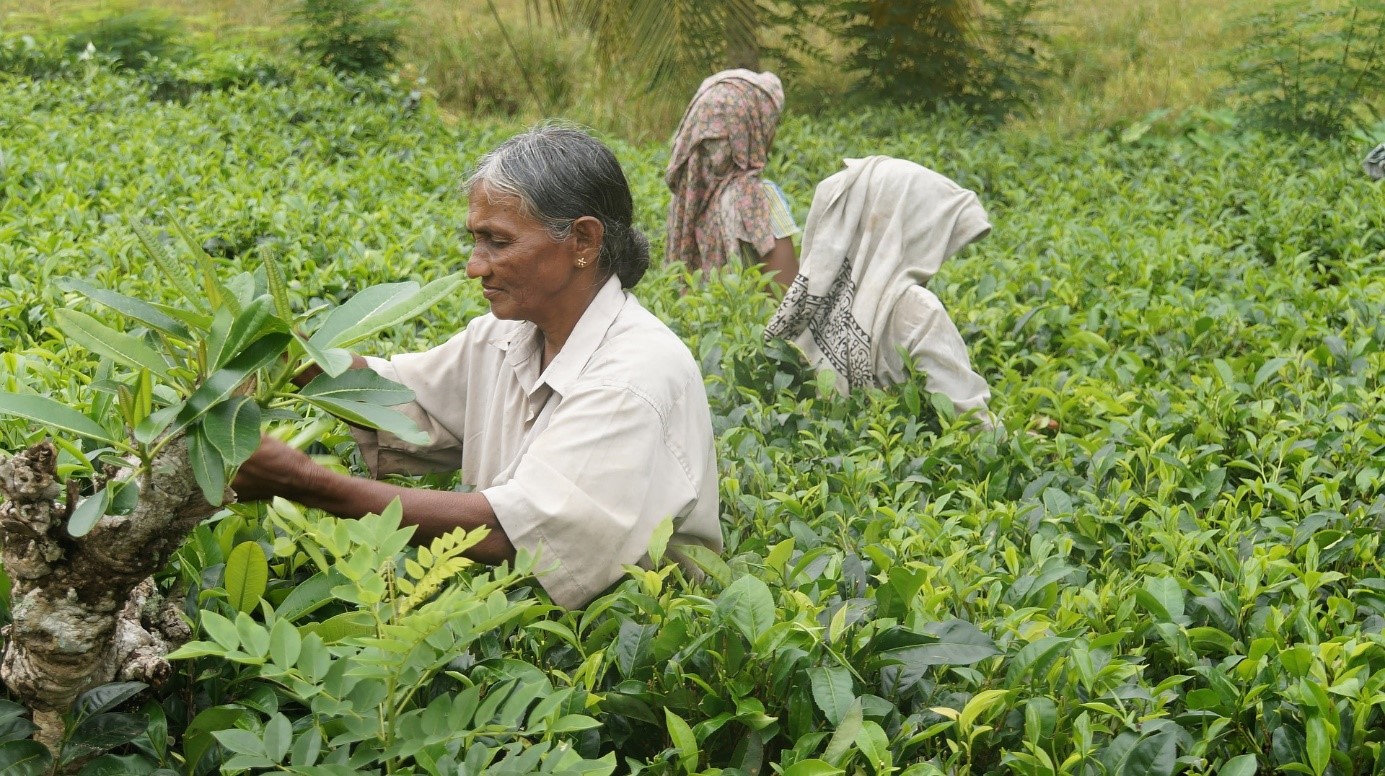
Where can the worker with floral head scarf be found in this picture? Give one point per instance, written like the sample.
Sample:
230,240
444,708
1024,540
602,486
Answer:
721,206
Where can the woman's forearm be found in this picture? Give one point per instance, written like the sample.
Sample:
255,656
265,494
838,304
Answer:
278,470
432,512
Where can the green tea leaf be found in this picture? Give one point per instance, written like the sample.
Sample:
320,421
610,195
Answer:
401,309
25,758
334,361
358,385
88,513
372,416
247,576
749,605
832,690
217,294
54,415
102,732
207,468
358,308
105,341
139,310
683,739
250,325
233,428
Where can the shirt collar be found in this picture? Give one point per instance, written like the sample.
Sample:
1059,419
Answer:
586,336
522,346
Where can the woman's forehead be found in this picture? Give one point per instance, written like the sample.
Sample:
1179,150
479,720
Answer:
488,209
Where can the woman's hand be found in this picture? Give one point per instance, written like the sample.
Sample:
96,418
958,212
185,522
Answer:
275,469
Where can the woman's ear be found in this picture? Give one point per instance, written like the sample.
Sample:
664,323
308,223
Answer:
587,234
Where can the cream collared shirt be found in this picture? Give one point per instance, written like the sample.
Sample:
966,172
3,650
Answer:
581,461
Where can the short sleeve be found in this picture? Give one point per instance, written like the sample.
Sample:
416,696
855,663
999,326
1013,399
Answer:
438,379
588,493
780,213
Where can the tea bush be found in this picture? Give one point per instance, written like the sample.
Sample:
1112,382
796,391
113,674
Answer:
1169,562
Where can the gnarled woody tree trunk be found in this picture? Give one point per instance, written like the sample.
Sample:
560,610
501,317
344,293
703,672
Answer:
85,611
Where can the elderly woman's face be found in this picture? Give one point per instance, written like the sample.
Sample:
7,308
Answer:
524,273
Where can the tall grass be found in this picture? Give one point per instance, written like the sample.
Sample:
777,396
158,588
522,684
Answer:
1117,60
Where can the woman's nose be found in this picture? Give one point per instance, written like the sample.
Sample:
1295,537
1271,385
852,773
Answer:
476,266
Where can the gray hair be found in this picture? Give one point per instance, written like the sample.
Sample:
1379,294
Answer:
559,174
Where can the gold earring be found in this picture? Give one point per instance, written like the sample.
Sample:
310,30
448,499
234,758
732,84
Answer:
581,261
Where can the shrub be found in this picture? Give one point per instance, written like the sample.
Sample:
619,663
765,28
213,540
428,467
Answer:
132,39
986,57
352,36
1314,72
26,56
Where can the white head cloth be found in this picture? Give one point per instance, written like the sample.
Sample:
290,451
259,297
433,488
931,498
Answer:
875,228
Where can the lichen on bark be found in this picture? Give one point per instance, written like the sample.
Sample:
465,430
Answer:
85,610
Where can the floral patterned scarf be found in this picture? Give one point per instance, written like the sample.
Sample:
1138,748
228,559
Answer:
719,150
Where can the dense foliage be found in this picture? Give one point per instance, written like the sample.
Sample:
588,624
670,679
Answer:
1171,562
1312,70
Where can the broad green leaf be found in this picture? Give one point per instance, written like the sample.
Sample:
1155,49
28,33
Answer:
334,361
25,758
105,341
241,742
358,308
222,630
54,415
102,732
1165,598
372,416
306,597
254,637
632,646
222,383
400,310
107,697
359,385
813,768
749,605
658,540
285,643
278,736
844,736
198,739
247,575
207,468
1320,741
978,705
342,626
139,310
872,742
88,513
1267,370
683,739
706,559
233,428
124,497
230,335
957,643
832,690
1152,755
1241,765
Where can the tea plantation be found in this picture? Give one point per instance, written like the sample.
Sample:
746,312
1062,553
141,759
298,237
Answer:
1170,562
